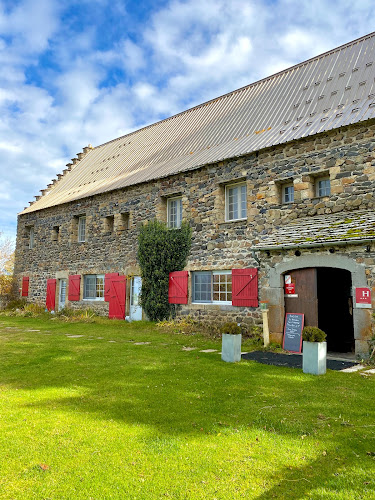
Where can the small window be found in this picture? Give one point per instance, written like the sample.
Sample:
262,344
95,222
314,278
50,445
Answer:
109,223
323,187
124,221
55,233
288,193
235,202
82,228
31,237
93,288
212,287
174,212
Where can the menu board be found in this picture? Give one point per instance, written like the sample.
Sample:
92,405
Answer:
293,332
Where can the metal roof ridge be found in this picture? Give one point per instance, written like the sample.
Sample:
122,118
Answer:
241,89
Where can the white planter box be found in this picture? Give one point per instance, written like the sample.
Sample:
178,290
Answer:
314,357
231,347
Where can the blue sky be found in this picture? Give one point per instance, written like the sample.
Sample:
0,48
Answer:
80,72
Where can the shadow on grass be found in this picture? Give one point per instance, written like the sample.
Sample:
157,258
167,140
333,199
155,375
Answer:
175,393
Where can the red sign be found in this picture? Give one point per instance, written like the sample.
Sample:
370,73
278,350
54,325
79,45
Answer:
363,297
290,288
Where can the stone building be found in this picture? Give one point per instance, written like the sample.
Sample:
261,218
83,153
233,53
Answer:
277,182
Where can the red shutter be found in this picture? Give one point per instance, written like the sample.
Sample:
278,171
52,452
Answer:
51,295
25,286
74,290
245,287
117,298
107,285
178,287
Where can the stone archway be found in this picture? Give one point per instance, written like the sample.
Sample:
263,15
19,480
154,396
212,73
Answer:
275,293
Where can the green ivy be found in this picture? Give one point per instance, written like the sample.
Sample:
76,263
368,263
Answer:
160,251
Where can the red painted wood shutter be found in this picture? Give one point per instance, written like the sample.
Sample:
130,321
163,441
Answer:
25,286
245,287
107,285
117,298
178,287
74,290
51,295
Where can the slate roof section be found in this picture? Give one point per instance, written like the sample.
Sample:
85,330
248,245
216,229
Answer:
332,90
342,227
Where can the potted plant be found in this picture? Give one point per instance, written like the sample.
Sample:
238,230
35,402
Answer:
314,357
231,342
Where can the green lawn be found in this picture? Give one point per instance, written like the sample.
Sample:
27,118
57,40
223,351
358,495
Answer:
87,418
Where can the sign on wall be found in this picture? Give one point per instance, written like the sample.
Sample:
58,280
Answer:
363,298
290,286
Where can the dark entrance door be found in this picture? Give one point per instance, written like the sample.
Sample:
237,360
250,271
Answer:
335,310
324,297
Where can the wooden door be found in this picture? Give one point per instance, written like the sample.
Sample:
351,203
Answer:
306,299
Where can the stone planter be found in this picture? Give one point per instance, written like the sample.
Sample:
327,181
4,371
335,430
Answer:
314,357
231,347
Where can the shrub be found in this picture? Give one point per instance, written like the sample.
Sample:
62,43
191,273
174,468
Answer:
313,334
231,328
161,250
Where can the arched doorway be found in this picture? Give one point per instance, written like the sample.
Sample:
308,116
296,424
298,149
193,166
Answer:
274,292
323,295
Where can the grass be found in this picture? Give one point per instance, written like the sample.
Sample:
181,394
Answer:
88,418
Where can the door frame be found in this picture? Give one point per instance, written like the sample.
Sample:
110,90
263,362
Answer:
60,280
131,297
275,293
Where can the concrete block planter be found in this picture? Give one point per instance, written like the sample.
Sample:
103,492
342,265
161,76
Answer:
314,357
231,347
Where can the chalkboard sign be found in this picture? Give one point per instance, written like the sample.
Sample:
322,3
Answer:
293,332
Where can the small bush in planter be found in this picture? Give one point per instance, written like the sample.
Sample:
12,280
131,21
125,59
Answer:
231,328
313,334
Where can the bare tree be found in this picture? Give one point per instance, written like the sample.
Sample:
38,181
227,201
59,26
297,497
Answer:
6,264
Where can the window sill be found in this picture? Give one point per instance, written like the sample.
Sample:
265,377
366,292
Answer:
100,299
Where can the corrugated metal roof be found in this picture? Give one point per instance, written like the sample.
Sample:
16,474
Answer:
349,227
329,91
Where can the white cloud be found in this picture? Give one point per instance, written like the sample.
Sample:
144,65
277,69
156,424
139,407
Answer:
95,89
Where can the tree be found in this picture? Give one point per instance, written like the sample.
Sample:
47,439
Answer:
6,265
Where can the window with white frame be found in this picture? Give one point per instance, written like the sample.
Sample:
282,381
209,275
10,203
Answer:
288,193
93,287
82,228
323,187
235,202
212,287
174,212
31,237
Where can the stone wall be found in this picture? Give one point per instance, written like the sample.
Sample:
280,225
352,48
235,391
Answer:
347,155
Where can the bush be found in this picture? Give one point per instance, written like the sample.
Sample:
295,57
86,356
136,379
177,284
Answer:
161,251
231,328
313,334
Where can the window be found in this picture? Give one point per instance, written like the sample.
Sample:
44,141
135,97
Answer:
174,212
288,193
31,237
109,223
212,287
235,202
323,187
82,228
93,288
55,233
